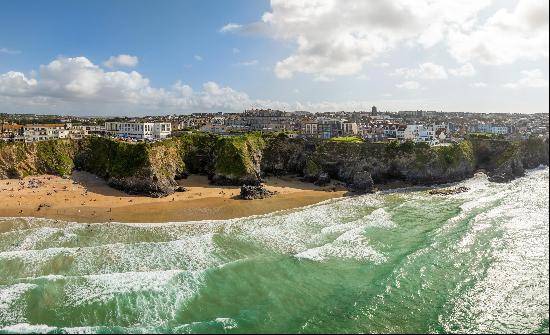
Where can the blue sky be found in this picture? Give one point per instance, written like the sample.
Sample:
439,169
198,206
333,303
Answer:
193,56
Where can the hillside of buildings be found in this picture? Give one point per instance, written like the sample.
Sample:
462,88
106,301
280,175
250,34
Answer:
152,168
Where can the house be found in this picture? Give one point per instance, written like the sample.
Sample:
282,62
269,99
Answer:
420,134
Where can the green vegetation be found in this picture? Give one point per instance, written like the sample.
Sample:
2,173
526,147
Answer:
486,136
453,155
50,157
350,139
56,157
234,155
110,158
312,169
510,148
394,147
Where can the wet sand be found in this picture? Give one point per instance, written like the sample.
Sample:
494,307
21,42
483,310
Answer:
87,198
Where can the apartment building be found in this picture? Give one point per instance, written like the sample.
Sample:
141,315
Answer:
493,129
44,132
11,132
262,120
324,127
139,130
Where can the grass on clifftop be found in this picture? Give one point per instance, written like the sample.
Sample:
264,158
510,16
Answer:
349,139
234,154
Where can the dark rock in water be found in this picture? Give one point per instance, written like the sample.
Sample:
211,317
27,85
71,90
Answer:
362,182
180,189
323,179
250,192
449,191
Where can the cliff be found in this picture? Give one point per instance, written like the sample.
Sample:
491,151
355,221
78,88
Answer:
344,161
152,169
139,168
18,160
505,160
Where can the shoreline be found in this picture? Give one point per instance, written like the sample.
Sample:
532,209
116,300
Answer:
85,198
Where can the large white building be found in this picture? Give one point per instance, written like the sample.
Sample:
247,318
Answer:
44,132
493,129
138,130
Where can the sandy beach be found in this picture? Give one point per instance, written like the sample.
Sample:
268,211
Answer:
87,198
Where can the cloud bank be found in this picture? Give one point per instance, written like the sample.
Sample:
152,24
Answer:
76,85
335,38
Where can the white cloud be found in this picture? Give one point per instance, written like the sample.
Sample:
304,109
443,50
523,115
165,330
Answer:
230,27
530,79
9,51
423,71
466,70
198,58
409,85
77,86
248,63
15,83
121,60
506,37
74,81
334,39
235,51
331,38
479,84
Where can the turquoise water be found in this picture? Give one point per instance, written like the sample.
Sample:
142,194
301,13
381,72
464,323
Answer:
401,261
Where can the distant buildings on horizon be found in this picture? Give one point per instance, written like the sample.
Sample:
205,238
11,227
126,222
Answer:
417,125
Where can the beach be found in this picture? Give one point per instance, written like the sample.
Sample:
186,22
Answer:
86,198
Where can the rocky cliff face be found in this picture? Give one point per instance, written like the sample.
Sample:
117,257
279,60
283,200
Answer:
505,160
134,168
360,164
152,169
50,157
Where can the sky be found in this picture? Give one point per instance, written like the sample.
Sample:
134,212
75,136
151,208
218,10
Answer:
122,57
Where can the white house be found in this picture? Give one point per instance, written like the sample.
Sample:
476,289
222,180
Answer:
420,133
138,130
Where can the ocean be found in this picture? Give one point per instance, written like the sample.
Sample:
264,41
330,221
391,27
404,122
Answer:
395,261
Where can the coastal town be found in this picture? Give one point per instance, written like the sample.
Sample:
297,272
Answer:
420,126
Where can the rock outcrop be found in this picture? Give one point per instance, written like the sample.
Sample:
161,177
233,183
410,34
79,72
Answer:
135,168
251,192
362,182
